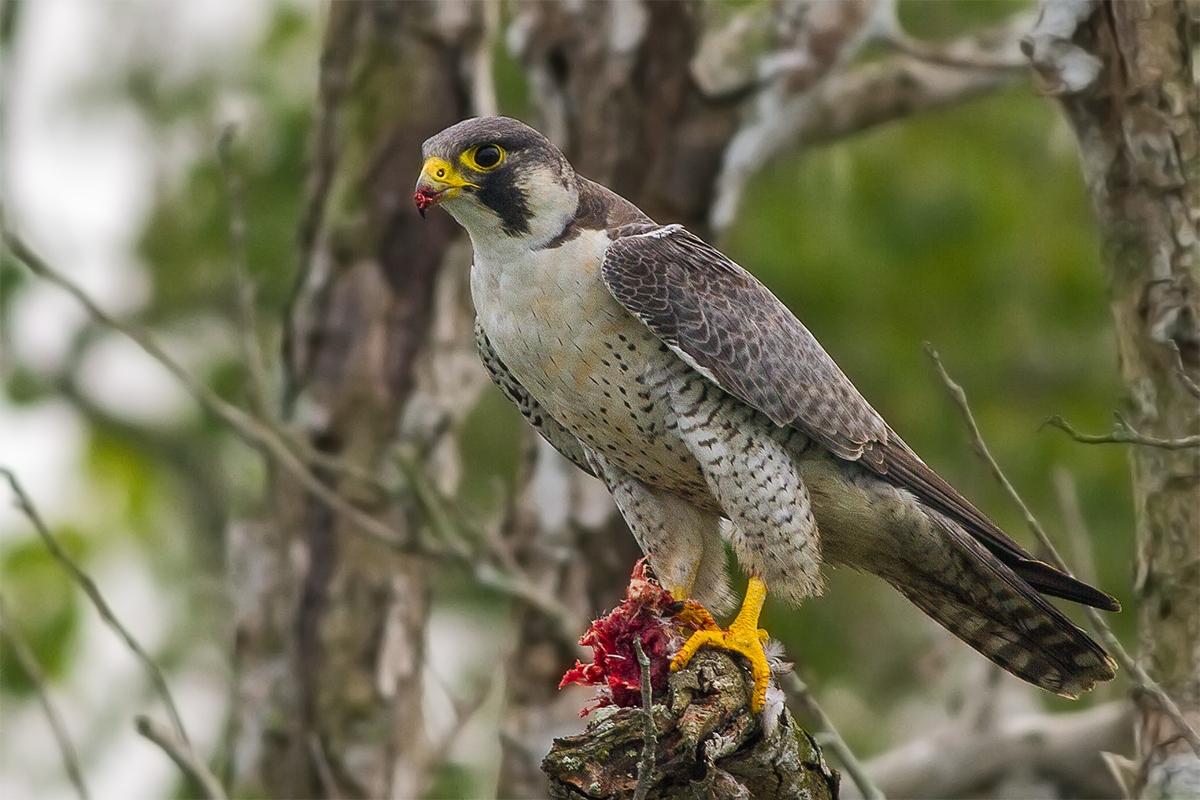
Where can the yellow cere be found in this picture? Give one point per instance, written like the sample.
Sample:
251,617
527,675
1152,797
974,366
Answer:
441,171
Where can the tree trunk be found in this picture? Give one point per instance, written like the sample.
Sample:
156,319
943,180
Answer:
331,642
1124,71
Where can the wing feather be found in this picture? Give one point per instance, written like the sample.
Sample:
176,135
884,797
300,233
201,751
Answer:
723,322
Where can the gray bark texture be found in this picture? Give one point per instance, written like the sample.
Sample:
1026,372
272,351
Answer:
1125,73
329,663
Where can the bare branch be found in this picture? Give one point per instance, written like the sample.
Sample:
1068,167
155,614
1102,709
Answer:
506,577
1190,385
858,98
337,55
244,289
1072,515
1123,433
949,56
960,399
258,435
955,761
649,735
29,664
1138,675
827,735
716,749
25,505
960,53
324,769
183,756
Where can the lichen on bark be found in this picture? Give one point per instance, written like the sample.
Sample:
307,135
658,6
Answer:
708,744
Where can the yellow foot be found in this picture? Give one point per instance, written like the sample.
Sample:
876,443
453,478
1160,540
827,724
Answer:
743,636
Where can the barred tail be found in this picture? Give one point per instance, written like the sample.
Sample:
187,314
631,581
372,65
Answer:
972,594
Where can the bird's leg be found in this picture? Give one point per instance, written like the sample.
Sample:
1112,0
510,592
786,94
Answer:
743,636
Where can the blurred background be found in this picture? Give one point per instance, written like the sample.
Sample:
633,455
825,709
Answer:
967,228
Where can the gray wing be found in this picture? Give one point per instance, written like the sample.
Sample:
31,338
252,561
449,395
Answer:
551,430
723,322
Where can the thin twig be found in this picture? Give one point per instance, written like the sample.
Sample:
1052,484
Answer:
258,435
337,55
93,593
320,759
649,734
827,734
483,82
245,291
448,528
29,665
977,443
1139,676
1076,525
1190,385
465,709
1123,433
183,756
946,56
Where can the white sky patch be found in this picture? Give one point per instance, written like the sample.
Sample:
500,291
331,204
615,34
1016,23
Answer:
125,381
43,446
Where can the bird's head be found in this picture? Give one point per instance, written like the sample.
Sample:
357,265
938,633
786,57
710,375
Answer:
497,177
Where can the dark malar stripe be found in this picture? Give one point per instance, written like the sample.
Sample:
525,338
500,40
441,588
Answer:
510,202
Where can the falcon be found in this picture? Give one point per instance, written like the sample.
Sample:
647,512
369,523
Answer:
658,365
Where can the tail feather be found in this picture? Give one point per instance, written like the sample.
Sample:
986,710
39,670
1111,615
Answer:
1048,580
985,603
900,466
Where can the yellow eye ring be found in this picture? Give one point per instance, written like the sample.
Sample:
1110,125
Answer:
484,157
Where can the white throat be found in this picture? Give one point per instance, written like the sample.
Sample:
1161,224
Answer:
551,206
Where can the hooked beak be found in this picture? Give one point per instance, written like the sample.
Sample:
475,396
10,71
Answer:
439,182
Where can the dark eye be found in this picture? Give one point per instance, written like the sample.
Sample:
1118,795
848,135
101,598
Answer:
488,156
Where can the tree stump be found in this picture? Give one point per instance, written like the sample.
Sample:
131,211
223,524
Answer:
707,744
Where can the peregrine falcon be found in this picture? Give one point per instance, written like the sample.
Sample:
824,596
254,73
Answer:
657,364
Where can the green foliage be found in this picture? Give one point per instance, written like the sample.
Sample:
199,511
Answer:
186,244
12,279
934,21
456,780
44,604
492,436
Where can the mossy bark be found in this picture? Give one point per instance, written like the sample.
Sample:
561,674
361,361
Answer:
330,649
1137,122
707,744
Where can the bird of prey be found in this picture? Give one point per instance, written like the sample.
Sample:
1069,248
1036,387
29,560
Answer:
657,364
